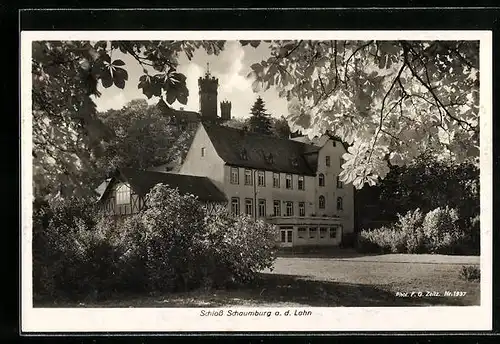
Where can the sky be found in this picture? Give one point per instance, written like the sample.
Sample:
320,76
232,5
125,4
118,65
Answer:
231,67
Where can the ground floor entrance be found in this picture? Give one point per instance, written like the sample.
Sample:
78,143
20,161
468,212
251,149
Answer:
286,236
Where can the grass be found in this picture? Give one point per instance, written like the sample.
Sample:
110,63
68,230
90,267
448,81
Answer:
345,280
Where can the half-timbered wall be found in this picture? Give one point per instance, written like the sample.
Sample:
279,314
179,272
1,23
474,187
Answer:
113,207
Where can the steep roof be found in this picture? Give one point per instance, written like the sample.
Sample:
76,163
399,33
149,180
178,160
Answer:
233,145
143,181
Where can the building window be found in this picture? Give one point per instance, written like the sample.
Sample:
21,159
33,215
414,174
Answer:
322,233
321,202
301,233
334,143
276,180
262,207
301,182
235,205
123,194
235,175
249,206
313,232
340,206
321,179
340,184
202,151
248,177
289,208
327,160
277,208
302,209
261,178
288,181
342,161
333,232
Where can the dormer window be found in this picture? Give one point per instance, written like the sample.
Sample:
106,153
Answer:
243,154
269,158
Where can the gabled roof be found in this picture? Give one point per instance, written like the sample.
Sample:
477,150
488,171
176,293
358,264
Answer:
143,181
246,149
316,141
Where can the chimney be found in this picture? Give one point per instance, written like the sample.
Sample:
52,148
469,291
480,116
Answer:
208,96
225,110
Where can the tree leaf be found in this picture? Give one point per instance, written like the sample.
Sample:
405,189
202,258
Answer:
118,63
106,79
119,77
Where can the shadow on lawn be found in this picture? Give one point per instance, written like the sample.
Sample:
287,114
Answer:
272,290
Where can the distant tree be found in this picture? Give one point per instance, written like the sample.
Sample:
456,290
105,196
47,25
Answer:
143,138
260,120
280,127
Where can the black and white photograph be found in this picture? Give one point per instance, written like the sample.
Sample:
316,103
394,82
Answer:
228,181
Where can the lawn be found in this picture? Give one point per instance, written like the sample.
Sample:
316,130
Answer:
345,279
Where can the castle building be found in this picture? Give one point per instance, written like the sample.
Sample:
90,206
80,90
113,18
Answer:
291,183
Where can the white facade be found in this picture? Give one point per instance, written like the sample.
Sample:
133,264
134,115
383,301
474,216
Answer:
311,210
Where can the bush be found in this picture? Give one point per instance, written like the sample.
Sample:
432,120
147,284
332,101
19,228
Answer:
442,231
57,229
470,273
173,244
238,248
436,232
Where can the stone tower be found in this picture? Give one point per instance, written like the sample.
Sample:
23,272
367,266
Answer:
208,95
225,110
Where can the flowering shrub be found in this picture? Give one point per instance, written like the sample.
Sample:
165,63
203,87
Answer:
436,232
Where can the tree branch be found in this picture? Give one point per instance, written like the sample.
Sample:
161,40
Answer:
431,91
380,126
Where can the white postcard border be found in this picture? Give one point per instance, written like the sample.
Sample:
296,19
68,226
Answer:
322,318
